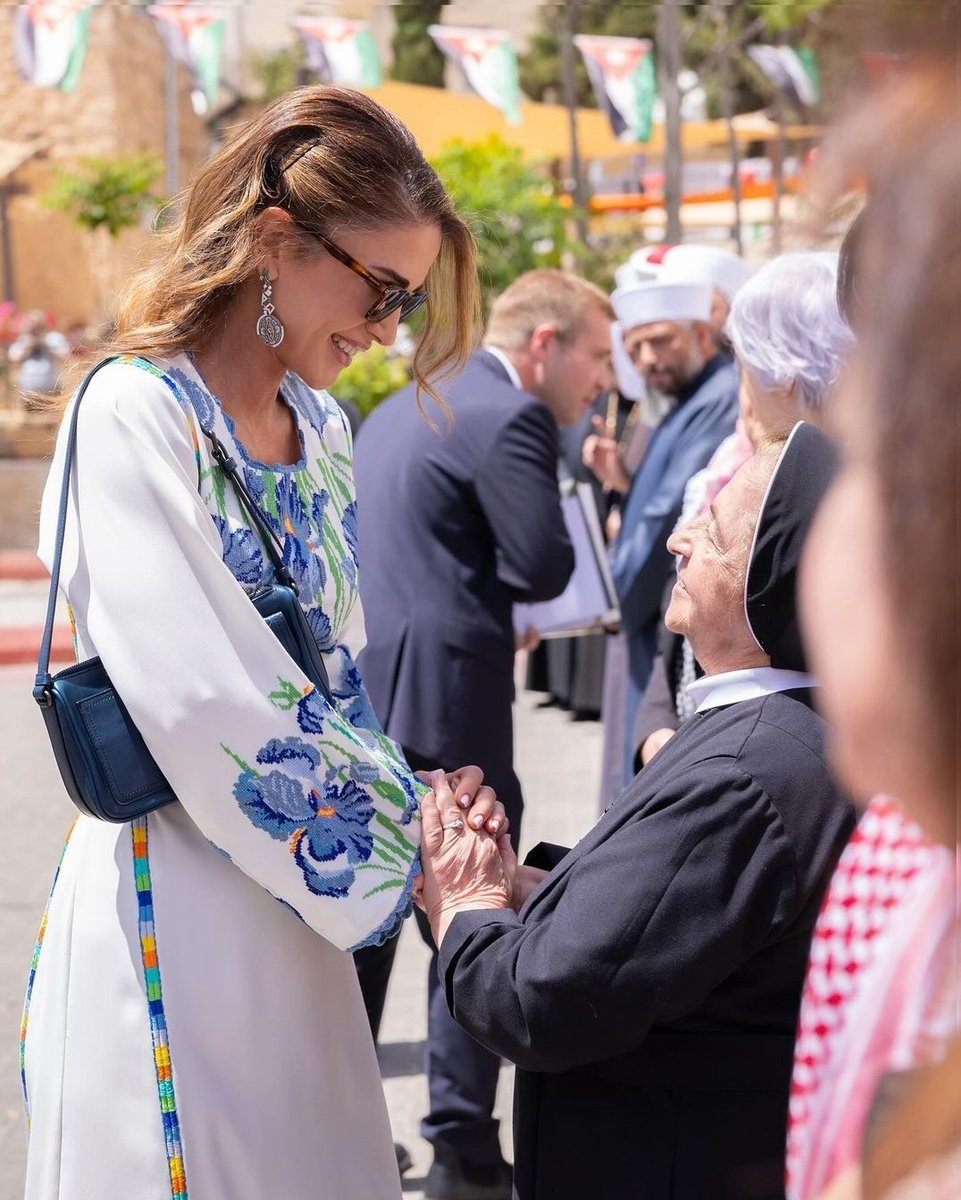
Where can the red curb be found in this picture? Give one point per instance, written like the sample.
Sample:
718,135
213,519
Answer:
21,644
21,564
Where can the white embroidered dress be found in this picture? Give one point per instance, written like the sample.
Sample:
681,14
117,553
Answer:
194,1026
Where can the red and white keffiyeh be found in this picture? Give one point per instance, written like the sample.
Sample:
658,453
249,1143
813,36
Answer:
877,997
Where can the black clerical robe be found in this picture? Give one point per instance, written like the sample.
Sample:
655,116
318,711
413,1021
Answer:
649,989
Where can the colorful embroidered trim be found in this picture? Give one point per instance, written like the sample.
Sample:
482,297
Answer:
32,976
158,1021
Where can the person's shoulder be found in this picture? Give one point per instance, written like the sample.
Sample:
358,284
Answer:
130,388
724,384
129,401
786,746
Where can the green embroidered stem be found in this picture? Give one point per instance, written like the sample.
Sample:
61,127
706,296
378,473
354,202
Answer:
239,761
383,887
401,840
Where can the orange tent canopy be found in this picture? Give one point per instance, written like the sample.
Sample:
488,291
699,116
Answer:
437,117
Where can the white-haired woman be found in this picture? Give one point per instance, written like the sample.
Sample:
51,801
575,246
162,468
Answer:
791,343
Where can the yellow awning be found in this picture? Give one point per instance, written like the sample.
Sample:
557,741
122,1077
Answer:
437,117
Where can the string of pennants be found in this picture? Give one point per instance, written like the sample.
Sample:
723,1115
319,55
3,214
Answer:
50,41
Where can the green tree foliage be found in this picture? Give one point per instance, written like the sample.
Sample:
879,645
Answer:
277,71
512,206
416,57
106,194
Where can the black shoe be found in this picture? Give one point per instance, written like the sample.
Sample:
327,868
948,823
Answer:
404,1160
454,1178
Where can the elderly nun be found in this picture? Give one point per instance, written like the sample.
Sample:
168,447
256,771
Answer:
647,982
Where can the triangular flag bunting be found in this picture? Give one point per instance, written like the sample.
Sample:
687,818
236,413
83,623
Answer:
622,74
50,41
195,36
340,51
793,72
489,62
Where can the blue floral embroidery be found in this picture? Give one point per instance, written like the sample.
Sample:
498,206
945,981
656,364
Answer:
350,529
242,552
349,689
198,396
321,828
320,627
315,407
311,713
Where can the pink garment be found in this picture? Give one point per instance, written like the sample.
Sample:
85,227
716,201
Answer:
880,993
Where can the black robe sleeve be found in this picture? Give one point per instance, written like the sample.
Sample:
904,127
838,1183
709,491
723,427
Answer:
634,930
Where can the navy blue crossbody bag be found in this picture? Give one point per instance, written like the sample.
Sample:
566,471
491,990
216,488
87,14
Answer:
106,767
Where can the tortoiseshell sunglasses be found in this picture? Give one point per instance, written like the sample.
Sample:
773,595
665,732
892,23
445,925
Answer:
392,297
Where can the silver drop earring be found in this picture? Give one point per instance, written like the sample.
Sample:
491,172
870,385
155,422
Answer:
270,328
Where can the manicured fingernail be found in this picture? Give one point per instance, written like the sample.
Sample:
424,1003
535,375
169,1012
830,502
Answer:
477,821
495,825
464,801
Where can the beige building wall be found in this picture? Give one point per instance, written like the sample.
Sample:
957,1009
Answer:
116,109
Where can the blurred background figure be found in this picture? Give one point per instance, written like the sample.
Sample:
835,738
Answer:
38,353
880,590
669,337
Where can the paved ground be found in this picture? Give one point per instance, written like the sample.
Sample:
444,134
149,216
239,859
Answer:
558,761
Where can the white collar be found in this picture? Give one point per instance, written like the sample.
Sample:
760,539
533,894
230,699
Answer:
731,687
507,365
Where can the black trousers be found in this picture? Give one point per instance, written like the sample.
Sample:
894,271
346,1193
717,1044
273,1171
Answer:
461,1073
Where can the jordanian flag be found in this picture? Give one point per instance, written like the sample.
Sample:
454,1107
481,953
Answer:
50,41
622,73
195,36
340,51
793,72
489,62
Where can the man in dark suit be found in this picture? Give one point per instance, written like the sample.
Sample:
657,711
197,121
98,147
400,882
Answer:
455,527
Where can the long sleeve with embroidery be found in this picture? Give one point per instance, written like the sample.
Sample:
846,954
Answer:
311,801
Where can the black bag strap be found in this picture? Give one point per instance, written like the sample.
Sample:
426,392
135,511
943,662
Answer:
43,663
272,543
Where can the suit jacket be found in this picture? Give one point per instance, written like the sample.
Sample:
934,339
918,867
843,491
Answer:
649,988
454,527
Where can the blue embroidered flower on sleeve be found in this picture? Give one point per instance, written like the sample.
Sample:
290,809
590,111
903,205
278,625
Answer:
312,712
349,689
242,552
324,823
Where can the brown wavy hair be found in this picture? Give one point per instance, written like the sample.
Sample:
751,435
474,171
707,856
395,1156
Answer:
334,159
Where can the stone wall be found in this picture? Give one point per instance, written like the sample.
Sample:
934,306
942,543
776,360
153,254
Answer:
116,109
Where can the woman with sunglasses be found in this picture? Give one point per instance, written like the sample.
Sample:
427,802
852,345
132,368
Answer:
194,1023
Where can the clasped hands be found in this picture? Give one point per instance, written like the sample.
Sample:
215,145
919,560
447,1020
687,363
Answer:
467,857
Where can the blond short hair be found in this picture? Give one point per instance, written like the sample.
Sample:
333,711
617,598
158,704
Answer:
544,297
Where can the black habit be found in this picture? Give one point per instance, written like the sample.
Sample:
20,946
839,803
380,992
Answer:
648,991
